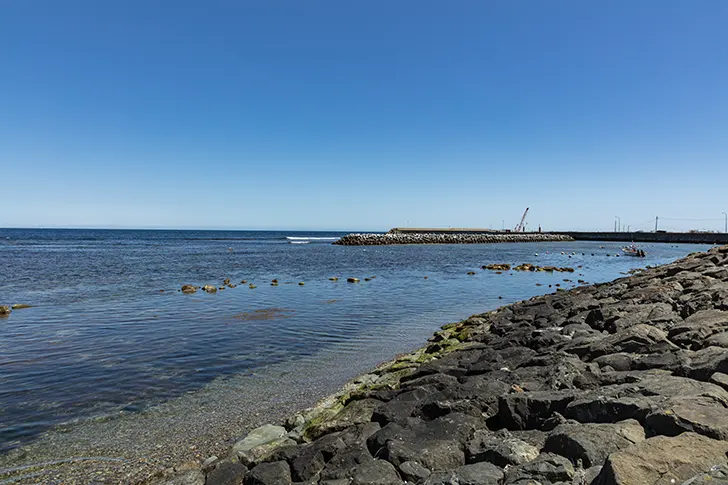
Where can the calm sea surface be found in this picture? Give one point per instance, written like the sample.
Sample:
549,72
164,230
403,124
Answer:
109,331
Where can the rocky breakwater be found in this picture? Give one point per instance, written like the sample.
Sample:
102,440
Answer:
445,238
623,383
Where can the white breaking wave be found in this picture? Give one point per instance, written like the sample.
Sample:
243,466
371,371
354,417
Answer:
299,242
296,238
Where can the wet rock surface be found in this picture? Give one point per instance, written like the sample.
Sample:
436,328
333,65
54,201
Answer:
618,383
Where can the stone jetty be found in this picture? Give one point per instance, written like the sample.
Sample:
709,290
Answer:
371,239
623,383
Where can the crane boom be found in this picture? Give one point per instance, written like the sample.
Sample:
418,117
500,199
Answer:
521,227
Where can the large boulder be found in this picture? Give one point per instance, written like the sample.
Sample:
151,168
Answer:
718,340
260,443
375,472
548,468
529,410
706,415
693,332
310,459
662,460
499,448
431,454
636,395
640,338
455,427
704,363
226,473
356,412
412,471
591,443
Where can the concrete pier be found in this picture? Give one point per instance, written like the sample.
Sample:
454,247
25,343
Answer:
643,237
646,237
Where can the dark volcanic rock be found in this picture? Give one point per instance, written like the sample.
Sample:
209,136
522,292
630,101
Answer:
432,454
529,410
452,427
275,473
412,471
546,469
312,458
226,473
592,443
375,472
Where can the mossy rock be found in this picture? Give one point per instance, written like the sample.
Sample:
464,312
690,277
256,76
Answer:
463,334
355,412
443,347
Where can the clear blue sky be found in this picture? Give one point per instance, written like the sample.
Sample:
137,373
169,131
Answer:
363,115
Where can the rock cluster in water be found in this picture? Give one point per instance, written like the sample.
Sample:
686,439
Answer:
623,383
6,310
548,269
446,238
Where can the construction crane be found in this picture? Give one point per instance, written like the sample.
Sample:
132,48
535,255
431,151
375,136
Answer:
521,227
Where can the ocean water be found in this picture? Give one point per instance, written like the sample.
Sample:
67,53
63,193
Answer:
109,331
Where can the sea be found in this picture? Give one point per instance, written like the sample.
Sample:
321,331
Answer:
109,333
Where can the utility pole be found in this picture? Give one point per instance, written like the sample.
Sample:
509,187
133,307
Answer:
726,222
656,219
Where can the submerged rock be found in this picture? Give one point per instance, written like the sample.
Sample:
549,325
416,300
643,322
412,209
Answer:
352,280
20,306
4,311
209,289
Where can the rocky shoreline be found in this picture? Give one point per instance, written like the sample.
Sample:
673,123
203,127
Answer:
619,383
368,239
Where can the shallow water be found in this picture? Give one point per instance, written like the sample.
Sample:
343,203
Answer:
103,337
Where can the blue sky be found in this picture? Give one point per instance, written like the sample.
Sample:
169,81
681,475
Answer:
363,115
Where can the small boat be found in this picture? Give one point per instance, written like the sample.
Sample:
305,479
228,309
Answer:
634,251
